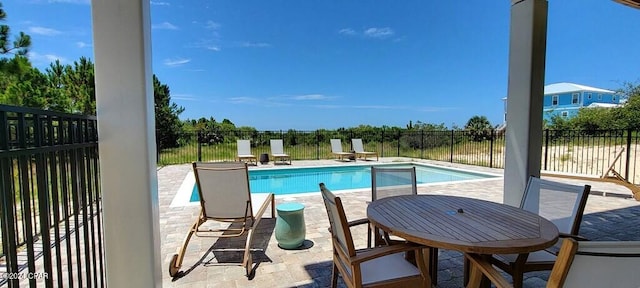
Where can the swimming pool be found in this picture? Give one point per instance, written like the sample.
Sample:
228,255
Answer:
288,181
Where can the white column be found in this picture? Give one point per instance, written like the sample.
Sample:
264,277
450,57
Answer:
527,50
126,127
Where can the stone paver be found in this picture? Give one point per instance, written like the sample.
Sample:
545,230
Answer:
606,218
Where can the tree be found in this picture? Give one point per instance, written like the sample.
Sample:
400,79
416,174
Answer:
20,46
21,84
168,125
630,112
479,127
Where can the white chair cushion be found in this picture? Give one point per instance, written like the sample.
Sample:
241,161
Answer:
392,266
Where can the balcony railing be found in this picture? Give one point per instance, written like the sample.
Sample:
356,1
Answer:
50,204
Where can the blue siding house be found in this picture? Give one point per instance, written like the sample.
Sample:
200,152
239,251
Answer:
565,99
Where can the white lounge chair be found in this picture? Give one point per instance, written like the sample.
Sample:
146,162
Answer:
359,148
225,197
244,152
336,149
277,152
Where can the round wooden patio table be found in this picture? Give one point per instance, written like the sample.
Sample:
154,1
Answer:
468,225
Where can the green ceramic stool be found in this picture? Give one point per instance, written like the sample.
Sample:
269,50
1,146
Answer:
290,228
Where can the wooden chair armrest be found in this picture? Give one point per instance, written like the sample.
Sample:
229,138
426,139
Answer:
377,252
358,222
355,223
485,268
574,237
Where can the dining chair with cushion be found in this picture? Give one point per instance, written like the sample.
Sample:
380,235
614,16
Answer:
382,266
387,182
583,264
560,203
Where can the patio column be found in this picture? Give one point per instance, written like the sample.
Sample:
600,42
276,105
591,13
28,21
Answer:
126,127
527,50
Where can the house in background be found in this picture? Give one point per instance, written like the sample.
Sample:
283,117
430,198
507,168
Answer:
565,99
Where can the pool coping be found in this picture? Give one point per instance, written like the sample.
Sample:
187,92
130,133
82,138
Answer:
183,195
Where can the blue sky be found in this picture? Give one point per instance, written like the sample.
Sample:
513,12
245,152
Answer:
327,64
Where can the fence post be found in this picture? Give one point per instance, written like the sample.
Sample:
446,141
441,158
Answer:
382,140
317,145
421,144
626,168
546,147
199,151
451,148
199,147
493,136
399,143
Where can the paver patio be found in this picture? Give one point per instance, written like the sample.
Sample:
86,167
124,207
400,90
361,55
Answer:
614,217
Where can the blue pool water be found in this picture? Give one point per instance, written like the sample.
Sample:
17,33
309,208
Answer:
305,180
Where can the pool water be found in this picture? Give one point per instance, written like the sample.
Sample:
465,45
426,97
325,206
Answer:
305,180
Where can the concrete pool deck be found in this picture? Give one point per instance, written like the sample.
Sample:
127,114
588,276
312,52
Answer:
614,217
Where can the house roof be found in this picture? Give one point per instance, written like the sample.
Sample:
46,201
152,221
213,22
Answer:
564,87
603,105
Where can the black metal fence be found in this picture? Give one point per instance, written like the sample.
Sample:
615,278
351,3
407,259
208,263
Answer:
582,152
50,203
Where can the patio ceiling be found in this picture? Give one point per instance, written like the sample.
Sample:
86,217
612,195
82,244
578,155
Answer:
632,3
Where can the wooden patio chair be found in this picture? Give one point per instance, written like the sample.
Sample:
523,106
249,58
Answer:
359,148
610,175
584,264
560,203
225,197
336,149
277,152
383,266
387,182
244,152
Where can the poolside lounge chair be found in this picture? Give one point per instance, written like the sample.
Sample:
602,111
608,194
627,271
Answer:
225,197
336,149
383,266
277,152
244,152
610,175
562,204
359,148
584,264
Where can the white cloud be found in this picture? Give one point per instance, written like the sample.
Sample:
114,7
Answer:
183,97
347,31
311,97
44,31
213,48
37,58
212,25
379,32
164,26
256,101
176,62
158,3
244,100
373,32
255,45
81,44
